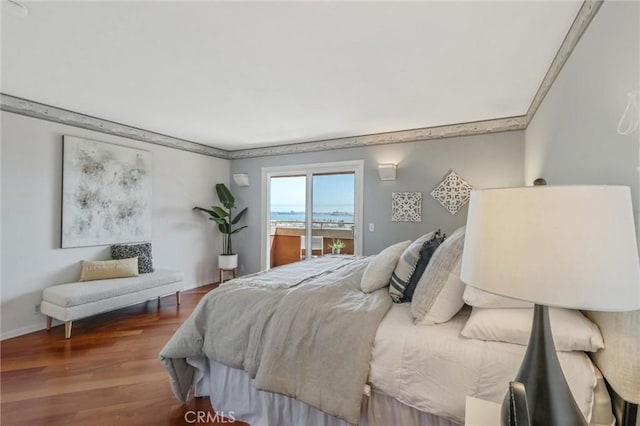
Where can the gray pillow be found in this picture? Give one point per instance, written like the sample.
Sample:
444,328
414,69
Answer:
438,295
142,251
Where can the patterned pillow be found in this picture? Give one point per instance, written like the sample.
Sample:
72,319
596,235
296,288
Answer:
142,251
405,267
426,252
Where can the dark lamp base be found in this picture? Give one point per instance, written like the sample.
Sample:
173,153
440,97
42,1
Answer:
547,393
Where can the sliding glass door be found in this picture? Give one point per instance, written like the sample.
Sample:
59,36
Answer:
333,213
310,211
287,218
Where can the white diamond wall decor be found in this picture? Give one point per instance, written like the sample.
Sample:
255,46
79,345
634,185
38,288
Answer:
453,192
406,206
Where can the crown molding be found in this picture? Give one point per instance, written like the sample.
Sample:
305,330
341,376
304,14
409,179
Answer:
58,115
426,133
585,15
50,113
46,112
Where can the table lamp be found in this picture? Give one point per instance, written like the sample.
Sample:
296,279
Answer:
561,246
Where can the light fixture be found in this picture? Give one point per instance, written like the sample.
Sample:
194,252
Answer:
17,8
564,246
630,120
241,179
387,171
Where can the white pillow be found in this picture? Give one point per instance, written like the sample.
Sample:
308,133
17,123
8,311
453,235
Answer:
438,294
379,270
571,330
482,299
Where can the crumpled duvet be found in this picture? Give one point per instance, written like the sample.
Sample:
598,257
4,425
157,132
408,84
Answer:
311,341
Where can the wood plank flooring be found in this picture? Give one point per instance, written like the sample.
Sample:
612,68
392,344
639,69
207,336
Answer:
108,373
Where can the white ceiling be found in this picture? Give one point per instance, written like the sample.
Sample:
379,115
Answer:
238,75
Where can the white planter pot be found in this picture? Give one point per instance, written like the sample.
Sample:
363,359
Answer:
227,261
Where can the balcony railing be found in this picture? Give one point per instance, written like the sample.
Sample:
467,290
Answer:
287,237
301,224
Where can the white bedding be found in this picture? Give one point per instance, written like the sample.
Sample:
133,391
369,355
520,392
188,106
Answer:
424,367
433,368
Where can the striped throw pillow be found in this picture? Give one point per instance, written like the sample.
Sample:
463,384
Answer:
426,252
405,267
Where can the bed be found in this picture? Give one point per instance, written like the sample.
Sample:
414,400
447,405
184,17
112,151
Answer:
304,344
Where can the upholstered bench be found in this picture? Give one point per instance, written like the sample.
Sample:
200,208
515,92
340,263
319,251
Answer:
68,302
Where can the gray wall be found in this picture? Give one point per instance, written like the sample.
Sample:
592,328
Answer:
31,207
572,138
483,161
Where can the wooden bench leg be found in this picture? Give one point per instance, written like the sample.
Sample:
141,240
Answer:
178,297
67,329
49,320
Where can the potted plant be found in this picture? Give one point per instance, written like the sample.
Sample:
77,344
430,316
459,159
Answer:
223,216
336,246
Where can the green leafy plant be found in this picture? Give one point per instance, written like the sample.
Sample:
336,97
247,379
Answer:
337,245
223,216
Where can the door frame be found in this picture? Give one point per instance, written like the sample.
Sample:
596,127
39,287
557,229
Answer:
355,166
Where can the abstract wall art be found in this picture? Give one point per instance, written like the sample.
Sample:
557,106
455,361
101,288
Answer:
406,206
453,192
106,193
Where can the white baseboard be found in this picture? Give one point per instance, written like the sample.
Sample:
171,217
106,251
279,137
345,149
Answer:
37,327
22,330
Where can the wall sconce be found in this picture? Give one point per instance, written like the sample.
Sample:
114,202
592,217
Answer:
241,179
387,171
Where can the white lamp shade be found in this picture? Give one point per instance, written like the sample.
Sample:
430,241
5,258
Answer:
565,246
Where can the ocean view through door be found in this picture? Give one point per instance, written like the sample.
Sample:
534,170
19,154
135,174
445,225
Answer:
311,213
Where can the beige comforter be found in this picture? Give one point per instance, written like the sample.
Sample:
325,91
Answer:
311,341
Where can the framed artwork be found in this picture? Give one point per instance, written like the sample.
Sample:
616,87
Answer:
406,206
452,193
106,193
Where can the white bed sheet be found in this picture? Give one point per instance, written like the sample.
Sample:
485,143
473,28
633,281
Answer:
433,368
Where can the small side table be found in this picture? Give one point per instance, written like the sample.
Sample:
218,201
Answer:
222,271
479,412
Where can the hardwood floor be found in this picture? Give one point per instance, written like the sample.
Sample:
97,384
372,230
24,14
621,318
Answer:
108,373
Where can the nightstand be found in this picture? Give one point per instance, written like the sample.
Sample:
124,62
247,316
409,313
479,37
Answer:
479,412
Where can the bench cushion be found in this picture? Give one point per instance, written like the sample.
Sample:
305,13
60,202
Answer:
80,293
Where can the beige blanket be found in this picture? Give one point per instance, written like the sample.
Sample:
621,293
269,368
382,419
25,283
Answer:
311,341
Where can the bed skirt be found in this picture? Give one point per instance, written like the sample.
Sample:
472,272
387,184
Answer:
232,393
